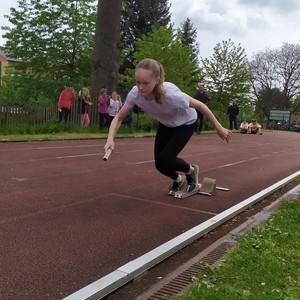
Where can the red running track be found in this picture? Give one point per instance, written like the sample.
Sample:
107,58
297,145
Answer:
68,218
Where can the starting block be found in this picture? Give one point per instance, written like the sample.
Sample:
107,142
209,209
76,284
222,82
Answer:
208,188
184,194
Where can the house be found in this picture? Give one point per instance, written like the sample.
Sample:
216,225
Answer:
5,61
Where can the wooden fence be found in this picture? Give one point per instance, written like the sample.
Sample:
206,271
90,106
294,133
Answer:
21,115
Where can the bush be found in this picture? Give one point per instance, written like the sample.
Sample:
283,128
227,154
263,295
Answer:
144,122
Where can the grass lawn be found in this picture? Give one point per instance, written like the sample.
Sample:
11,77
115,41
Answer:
264,266
66,136
64,131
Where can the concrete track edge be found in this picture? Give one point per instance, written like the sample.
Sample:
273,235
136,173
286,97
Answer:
114,280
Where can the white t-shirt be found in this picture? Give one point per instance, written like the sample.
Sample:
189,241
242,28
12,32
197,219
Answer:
114,107
172,112
244,125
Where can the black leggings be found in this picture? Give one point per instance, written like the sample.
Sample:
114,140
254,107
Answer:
168,144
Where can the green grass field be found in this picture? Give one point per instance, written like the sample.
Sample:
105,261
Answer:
264,266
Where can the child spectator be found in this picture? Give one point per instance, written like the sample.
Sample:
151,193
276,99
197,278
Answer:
115,105
254,127
85,107
244,127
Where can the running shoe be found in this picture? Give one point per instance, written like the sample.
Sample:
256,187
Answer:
192,179
176,186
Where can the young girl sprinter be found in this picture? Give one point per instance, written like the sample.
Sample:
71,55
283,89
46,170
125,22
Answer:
176,114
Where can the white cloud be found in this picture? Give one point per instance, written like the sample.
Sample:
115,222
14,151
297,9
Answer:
255,24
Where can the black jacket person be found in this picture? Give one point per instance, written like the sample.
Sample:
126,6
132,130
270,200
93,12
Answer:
203,97
232,112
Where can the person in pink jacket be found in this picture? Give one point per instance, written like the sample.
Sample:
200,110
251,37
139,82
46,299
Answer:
67,96
103,104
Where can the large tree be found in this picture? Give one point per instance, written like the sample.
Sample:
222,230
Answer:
269,98
277,69
108,46
189,38
138,17
296,105
52,37
227,75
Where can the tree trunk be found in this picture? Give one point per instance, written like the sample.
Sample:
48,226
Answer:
107,49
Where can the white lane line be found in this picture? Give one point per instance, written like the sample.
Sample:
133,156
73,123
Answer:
48,210
89,154
67,147
143,162
53,158
49,148
164,204
65,157
231,164
80,202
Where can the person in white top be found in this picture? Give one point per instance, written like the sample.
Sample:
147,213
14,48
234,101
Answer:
244,126
115,105
176,114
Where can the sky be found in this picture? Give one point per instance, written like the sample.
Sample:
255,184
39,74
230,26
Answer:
256,25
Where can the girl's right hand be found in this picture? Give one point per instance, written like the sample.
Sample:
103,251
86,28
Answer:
109,145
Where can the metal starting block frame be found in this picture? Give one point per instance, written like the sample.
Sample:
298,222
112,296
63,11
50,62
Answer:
208,188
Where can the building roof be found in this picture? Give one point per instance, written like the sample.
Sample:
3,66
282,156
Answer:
8,58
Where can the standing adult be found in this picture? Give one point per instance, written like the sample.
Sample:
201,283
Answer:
175,112
232,113
66,97
103,104
203,97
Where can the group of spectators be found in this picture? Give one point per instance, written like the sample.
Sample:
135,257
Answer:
252,127
108,105
232,113
245,127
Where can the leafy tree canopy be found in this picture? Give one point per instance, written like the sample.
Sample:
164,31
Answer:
53,37
164,45
138,17
296,105
227,75
277,69
189,38
269,98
